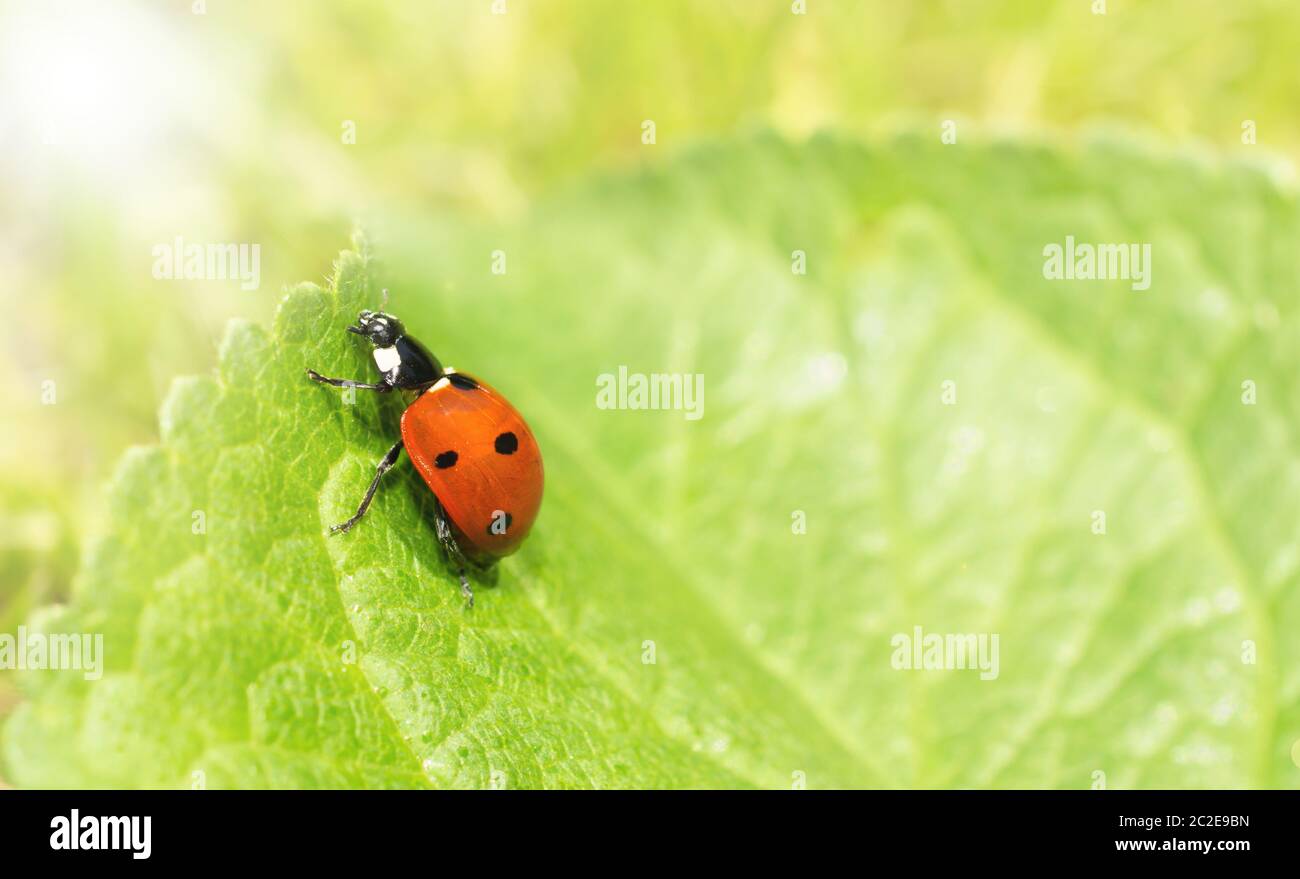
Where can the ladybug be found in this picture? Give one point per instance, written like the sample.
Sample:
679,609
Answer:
472,447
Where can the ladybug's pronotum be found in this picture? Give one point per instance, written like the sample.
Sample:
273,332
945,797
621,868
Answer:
471,446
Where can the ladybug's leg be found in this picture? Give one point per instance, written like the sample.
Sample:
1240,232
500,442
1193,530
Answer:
388,461
454,555
381,387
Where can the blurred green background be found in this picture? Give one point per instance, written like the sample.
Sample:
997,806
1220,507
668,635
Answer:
125,125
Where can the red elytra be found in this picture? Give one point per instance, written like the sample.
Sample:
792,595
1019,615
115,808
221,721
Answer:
472,447
478,456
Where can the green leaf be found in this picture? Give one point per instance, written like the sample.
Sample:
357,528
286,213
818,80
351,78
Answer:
1120,653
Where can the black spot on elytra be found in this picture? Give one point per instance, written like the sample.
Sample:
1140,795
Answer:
494,531
506,443
445,460
462,381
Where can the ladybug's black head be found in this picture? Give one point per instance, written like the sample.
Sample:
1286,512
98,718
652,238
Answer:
383,330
